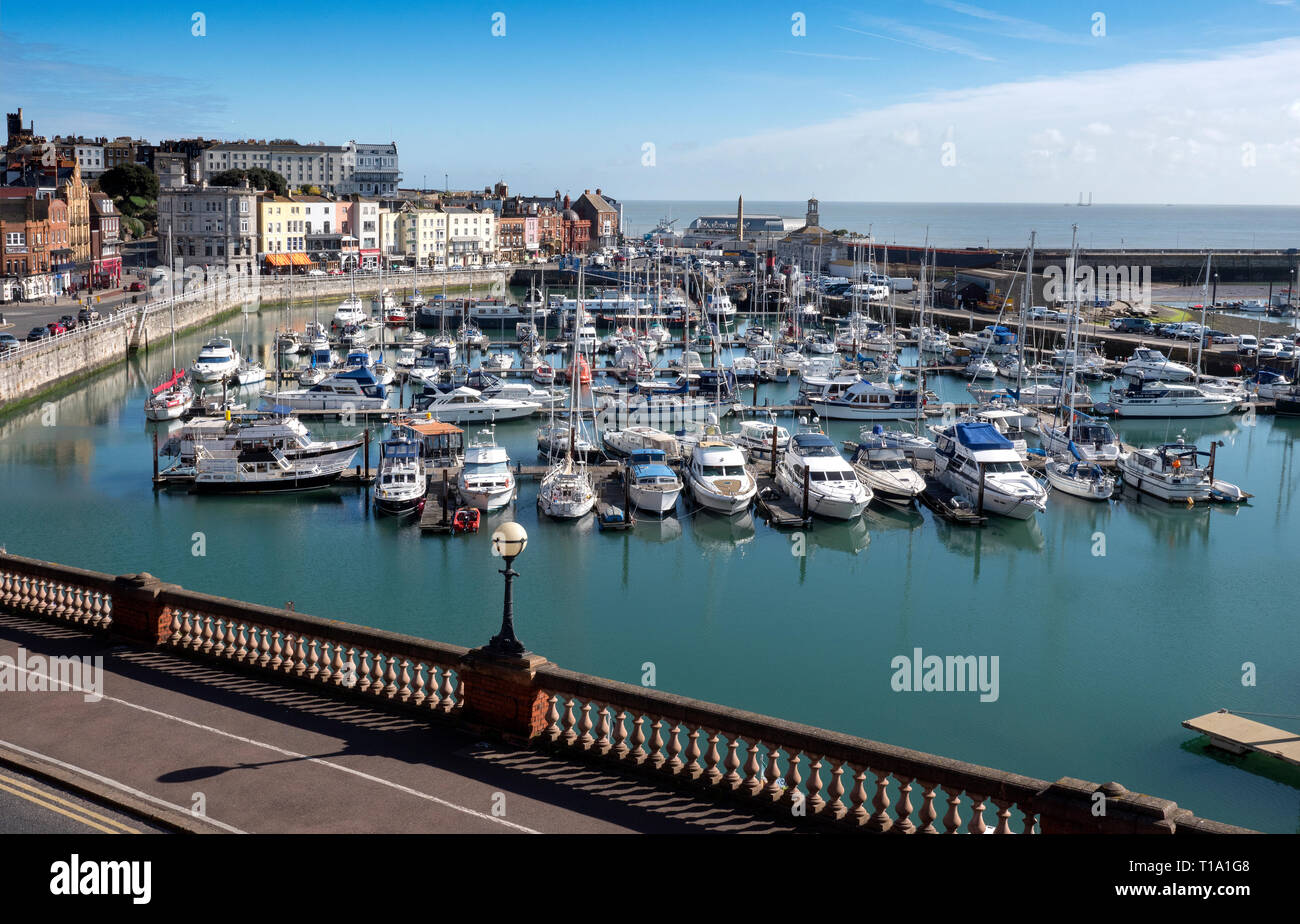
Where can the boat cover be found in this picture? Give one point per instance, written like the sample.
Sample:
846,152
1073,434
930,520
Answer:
978,437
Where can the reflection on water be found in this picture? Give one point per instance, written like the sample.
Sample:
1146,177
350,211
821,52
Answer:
719,535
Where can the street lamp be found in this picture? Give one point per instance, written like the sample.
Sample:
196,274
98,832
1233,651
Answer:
508,541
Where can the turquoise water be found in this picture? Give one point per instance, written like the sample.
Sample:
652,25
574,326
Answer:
1100,657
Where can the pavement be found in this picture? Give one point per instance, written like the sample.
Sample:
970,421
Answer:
178,738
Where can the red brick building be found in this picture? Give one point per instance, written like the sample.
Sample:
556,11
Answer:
511,237
105,242
577,230
33,242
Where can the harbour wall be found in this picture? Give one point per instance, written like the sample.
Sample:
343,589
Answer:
33,369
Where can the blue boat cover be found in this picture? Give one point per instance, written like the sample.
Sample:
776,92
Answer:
981,436
804,440
646,456
651,470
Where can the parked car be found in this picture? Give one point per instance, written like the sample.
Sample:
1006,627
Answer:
8,342
68,321
38,333
1163,330
136,286
1247,345
1132,325
1218,336
86,315
1187,331
56,327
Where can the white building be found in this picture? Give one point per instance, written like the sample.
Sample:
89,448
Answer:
208,226
331,167
471,236
420,236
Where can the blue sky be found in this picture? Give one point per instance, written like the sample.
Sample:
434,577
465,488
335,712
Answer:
941,100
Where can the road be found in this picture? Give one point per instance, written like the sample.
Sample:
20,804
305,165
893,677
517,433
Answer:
28,805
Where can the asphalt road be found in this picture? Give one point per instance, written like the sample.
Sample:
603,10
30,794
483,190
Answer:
30,806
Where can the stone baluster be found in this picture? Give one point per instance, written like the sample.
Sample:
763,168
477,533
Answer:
569,735
326,672
218,638
350,669
452,694
674,764
390,677
952,818
404,682
657,759
880,820
692,767
264,648
858,814
379,670
793,778
712,757
277,651
363,681
732,762
601,745
772,789
903,810
977,825
207,634
816,803
1030,820
927,814
585,726
418,696
638,755
184,636
753,783
98,610
621,749
313,661
241,642
552,717
300,659
1004,816
336,666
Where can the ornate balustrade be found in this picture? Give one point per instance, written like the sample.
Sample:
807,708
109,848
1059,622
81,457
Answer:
809,775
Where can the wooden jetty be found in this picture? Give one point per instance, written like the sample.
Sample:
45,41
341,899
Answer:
780,511
613,505
440,501
1238,735
939,498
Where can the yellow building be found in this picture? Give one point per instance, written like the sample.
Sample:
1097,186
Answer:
281,231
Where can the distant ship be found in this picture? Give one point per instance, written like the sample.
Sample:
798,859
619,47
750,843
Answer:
1081,203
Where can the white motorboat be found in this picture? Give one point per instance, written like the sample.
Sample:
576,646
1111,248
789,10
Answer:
400,483
979,463
263,457
485,480
215,361
1168,399
887,472
498,362
756,438
912,445
361,358
553,442
819,342
288,343
717,477
1089,438
812,467
467,405
1152,365
345,390
628,440
544,374
349,311
249,374
1079,478
652,485
994,339
864,400
1170,472
979,368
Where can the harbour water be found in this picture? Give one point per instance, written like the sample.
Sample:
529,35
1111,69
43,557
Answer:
977,224
1100,655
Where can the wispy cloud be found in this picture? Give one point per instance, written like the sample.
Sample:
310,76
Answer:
824,54
1025,29
94,96
918,37
1170,130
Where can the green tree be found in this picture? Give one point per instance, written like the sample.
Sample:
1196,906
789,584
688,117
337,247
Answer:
258,178
126,180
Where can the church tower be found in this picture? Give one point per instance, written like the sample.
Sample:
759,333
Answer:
811,219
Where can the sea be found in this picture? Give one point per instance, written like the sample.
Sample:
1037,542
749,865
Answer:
1008,225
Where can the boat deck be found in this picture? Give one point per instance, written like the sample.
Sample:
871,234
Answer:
780,511
1239,735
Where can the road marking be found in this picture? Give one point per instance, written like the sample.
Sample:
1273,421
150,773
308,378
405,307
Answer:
54,808
72,805
261,744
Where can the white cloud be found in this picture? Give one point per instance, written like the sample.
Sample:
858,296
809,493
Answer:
1160,131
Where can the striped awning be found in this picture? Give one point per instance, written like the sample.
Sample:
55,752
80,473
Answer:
300,259
277,259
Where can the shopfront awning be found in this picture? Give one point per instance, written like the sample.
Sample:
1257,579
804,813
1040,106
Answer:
277,259
300,259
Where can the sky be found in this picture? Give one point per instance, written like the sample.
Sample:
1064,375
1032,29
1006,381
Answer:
928,100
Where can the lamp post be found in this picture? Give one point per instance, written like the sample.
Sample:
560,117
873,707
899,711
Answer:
508,541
